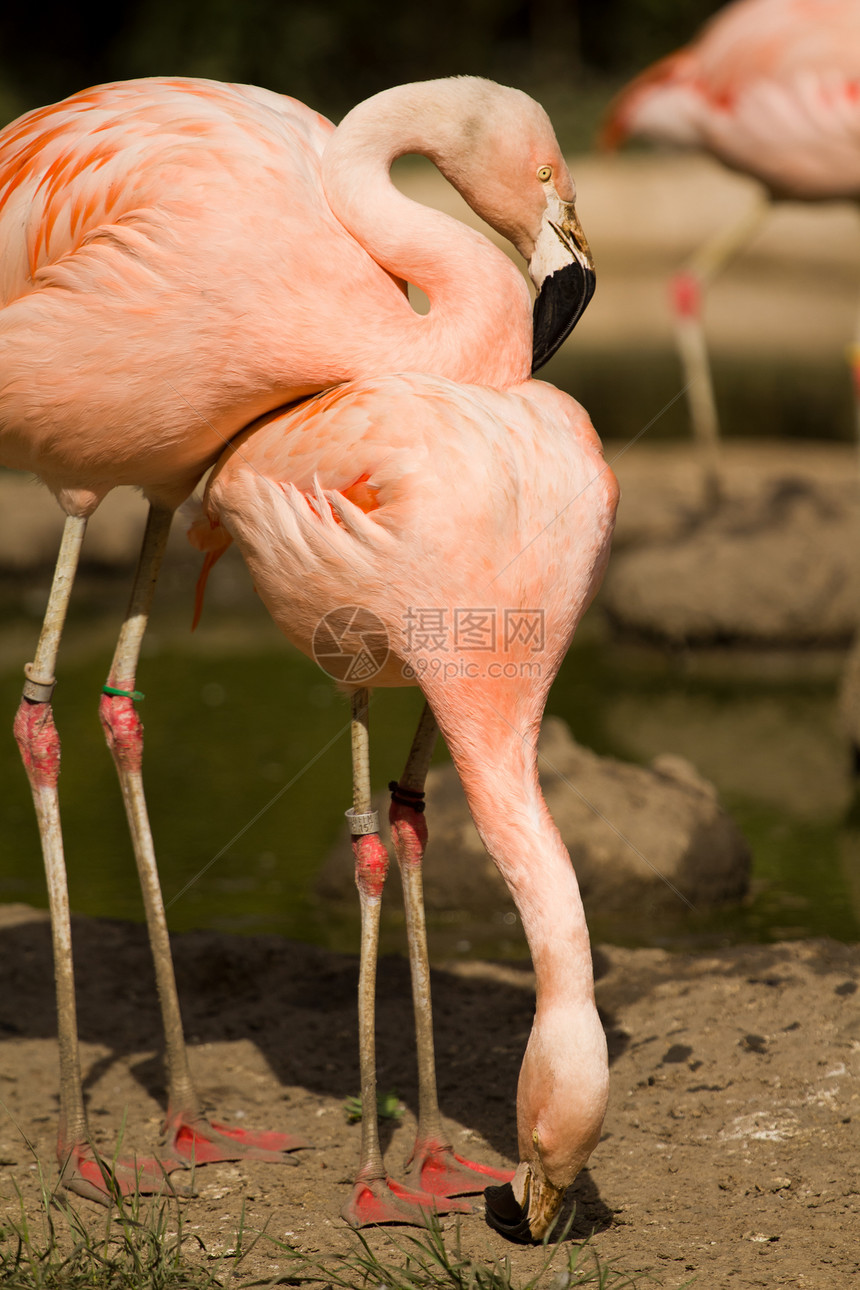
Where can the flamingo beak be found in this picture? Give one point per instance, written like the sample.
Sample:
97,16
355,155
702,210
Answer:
524,1209
563,273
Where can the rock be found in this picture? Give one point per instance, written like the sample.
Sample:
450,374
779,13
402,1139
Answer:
637,836
778,569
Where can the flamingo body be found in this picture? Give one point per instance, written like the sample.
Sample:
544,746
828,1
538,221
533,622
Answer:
770,87
180,256
410,516
484,511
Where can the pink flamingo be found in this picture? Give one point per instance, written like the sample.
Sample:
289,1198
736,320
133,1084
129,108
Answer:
179,257
450,536
771,88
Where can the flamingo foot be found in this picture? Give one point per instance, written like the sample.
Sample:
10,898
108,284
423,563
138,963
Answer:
199,1141
88,1175
382,1200
437,1169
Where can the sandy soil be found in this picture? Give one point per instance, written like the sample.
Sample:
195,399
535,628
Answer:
730,1149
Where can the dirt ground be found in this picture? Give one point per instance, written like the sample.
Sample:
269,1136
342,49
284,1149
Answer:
731,1147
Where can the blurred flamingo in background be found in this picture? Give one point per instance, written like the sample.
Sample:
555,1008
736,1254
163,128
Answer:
351,511
178,257
771,88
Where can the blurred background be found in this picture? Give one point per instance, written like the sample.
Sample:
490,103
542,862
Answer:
247,758
568,53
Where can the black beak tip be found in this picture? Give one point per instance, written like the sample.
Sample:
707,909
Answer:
506,1215
558,307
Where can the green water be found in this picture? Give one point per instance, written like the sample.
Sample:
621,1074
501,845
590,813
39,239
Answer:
247,772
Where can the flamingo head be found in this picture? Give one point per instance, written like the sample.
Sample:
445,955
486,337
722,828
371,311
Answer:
561,1104
500,151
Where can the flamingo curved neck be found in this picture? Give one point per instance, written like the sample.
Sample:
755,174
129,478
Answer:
515,825
532,858
563,1085
478,329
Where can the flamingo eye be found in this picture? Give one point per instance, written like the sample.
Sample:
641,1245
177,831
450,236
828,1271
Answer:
544,174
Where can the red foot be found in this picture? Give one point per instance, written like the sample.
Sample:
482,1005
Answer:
203,1142
97,1179
437,1169
382,1200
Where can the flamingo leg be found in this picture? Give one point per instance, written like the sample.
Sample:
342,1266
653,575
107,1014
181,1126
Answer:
375,1198
687,293
190,1138
39,743
434,1166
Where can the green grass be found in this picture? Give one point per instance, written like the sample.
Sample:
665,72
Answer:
425,1262
142,1245
134,1246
